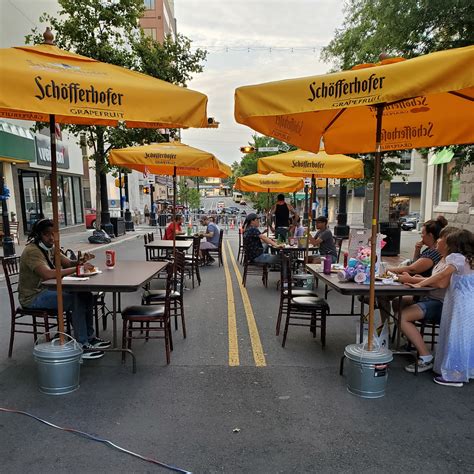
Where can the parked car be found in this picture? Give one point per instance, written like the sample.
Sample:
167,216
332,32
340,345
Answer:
409,222
243,203
220,205
90,215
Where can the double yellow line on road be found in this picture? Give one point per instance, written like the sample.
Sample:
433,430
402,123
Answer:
255,341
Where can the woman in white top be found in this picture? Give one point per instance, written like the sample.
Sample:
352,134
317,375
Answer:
428,308
455,352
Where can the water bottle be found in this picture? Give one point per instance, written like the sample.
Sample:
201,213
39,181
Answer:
327,264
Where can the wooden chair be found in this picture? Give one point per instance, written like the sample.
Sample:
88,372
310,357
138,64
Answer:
254,268
303,310
24,320
218,250
240,254
176,297
286,280
193,261
156,317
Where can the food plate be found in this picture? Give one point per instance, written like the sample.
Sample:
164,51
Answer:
93,272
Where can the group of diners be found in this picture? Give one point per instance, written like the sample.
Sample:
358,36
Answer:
211,234
442,252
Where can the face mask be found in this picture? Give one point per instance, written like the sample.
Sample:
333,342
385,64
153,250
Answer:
42,245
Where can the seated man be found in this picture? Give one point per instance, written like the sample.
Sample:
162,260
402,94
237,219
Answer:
212,235
253,239
174,228
37,265
324,239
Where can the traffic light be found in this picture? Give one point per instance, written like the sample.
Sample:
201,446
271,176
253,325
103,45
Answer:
212,123
146,190
120,183
247,149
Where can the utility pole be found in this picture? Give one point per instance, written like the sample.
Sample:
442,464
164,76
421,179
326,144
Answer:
342,229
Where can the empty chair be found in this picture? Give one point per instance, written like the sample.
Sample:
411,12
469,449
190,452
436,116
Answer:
286,281
193,261
175,297
156,317
303,310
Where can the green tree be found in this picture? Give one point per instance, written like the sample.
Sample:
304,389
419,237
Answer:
405,28
108,30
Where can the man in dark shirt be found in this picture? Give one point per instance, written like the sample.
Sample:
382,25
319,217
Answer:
253,239
324,239
282,210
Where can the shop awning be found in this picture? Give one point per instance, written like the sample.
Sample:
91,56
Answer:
444,156
17,144
409,189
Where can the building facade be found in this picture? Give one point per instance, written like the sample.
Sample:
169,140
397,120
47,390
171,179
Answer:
158,20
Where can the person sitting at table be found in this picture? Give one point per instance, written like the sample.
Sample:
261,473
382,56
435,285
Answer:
428,308
324,239
424,260
212,235
297,229
174,228
37,265
455,351
254,240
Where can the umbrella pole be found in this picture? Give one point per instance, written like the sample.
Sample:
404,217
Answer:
174,217
310,215
327,198
268,212
375,217
57,248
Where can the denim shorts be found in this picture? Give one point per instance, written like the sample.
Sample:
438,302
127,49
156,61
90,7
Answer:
431,308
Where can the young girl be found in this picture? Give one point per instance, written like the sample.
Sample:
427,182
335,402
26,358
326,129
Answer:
428,308
455,352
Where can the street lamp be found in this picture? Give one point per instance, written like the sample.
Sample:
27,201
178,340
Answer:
7,241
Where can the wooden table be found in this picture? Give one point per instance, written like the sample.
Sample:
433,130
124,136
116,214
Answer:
168,244
356,289
185,237
126,277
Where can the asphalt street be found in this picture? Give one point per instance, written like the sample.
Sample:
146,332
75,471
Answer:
232,400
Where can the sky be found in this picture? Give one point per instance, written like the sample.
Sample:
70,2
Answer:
249,42
238,35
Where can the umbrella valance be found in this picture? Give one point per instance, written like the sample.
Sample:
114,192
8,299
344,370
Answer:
424,97
37,81
271,183
305,163
170,158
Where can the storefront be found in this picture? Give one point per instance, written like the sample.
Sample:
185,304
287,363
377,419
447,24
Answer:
404,198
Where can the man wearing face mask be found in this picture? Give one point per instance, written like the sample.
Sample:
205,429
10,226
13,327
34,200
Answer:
37,265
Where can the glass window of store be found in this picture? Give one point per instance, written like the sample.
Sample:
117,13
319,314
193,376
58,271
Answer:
448,182
36,196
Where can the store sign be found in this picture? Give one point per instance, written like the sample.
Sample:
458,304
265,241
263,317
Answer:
43,152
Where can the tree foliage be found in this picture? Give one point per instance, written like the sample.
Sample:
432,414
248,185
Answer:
405,28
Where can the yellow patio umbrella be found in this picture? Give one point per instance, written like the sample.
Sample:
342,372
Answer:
305,163
45,83
174,159
421,102
272,183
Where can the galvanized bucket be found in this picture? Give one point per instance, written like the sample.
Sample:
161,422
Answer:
367,372
58,364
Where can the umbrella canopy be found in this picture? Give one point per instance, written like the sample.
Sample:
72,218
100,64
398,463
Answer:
305,163
169,159
429,102
37,81
422,102
272,183
45,83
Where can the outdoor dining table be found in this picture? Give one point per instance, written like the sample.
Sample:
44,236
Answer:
127,276
355,289
168,244
185,237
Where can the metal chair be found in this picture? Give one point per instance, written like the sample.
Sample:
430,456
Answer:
25,320
156,317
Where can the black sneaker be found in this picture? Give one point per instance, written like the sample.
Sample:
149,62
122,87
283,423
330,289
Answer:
91,353
98,343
